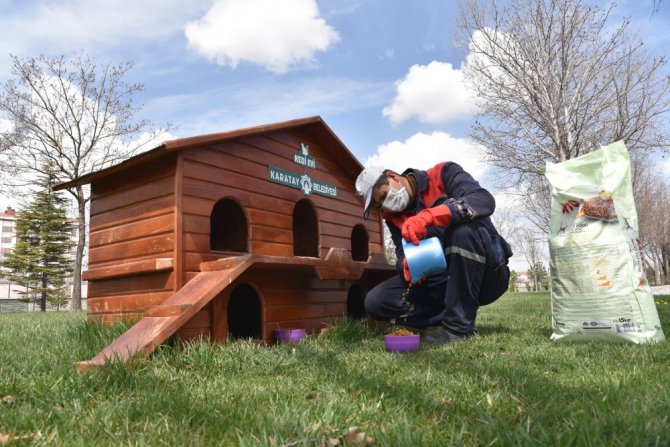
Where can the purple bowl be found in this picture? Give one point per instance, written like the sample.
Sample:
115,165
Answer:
402,343
289,335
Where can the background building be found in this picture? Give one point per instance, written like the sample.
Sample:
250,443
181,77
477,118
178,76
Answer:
8,290
7,242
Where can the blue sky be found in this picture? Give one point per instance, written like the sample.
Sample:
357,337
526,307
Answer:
384,74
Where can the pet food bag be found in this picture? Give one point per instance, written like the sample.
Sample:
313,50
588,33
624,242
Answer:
598,287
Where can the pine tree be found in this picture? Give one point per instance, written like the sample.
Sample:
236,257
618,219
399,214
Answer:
40,261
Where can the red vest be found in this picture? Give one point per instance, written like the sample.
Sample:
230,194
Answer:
433,192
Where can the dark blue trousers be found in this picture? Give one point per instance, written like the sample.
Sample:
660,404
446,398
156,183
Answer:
476,275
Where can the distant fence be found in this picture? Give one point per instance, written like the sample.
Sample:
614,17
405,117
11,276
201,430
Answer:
12,305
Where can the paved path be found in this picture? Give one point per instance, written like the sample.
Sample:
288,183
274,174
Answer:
661,290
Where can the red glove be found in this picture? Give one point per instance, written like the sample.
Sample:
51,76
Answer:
405,271
408,275
415,227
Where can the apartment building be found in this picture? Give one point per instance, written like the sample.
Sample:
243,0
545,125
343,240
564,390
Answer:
7,233
7,242
9,290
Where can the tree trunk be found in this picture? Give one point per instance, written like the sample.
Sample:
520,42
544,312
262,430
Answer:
665,254
43,297
79,256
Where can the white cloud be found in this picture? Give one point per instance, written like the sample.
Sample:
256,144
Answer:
435,93
58,26
423,151
276,35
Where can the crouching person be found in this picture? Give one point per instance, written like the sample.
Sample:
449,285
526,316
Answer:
444,202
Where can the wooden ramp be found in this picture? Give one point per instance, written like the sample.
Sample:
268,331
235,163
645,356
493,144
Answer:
161,321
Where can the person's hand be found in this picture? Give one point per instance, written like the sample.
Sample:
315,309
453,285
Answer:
405,271
415,227
408,276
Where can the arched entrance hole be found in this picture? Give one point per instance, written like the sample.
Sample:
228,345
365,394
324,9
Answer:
359,243
228,227
244,313
305,230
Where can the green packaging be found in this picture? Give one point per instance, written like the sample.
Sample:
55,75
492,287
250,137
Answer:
598,287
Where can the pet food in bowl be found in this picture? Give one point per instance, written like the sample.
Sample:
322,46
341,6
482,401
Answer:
402,340
284,335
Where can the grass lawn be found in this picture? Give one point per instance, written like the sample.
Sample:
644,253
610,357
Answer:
512,387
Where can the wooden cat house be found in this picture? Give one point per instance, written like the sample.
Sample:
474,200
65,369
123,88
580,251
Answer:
230,234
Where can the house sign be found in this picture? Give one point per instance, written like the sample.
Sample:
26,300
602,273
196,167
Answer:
302,181
303,158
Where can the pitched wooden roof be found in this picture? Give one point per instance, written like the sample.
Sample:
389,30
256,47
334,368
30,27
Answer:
315,124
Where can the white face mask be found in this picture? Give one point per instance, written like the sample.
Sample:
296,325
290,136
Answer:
396,200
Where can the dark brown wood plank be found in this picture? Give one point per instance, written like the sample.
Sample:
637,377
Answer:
270,249
193,260
268,217
303,310
269,234
199,320
129,269
133,178
156,282
132,213
258,198
283,297
178,222
159,245
133,230
195,224
142,193
126,303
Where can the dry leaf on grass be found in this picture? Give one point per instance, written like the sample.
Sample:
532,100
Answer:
314,395
290,444
6,439
8,399
354,436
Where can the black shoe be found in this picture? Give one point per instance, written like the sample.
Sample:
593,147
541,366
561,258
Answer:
444,336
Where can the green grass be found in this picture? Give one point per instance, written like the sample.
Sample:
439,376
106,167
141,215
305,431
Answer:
511,386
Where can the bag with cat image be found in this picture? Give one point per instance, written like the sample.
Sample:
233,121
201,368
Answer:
598,287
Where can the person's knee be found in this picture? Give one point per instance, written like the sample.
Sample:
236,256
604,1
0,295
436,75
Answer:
372,303
464,233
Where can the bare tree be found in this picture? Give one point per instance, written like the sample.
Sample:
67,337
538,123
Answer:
652,199
530,244
554,80
506,220
71,114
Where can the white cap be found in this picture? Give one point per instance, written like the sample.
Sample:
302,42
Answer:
364,183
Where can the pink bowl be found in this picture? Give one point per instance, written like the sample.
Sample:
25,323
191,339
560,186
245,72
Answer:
402,343
289,335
